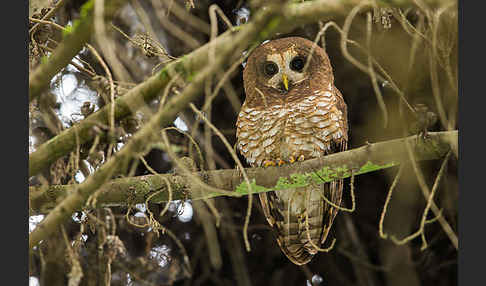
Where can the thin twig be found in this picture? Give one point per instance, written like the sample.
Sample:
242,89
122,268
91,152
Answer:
429,201
344,36
387,201
48,15
240,165
425,190
371,72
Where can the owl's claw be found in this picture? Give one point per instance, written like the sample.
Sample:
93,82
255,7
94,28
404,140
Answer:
239,172
268,163
279,162
293,158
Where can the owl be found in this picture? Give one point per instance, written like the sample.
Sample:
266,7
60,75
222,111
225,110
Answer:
293,112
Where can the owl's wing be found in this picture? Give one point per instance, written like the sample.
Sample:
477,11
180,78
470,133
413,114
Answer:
266,203
334,190
341,105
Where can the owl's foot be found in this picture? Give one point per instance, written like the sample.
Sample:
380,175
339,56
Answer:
239,172
268,163
278,162
292,158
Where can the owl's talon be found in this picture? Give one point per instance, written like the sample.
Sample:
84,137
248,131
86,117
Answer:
268,163
293,158
239,172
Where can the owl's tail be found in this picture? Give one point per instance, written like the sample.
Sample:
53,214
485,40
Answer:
301,218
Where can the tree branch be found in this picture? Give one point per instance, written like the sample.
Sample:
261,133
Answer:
368,158
294,16
167,114
71,45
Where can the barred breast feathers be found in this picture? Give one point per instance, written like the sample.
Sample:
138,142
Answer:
307,127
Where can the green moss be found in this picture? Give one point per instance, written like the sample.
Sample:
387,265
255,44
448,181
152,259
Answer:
87,8
323,175
265,33
164,74
68,29
370,167
295,181
237,28
243,188
44,59
190,77
179,67
76,24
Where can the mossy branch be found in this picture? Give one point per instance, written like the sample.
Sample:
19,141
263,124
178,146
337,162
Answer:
365,159
294,16
74,40
119,162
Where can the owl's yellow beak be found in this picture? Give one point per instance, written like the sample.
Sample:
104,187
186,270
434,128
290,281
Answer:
285,81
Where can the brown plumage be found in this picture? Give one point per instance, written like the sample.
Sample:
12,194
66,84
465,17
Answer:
292,112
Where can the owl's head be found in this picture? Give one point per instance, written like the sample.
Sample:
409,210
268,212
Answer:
278,69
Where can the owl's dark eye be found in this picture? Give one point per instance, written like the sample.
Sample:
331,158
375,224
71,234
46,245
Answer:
270,68
297,63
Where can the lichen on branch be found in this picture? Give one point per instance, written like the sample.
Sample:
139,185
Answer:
369,158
